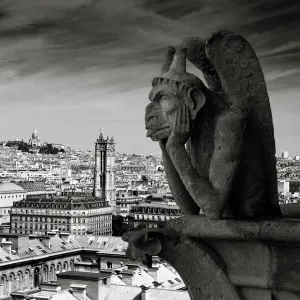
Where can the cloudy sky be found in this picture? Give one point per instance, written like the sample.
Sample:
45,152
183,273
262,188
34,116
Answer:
72,67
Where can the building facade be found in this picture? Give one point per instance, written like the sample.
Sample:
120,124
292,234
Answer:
27,261
125,203
9,192
75,215
71,213
283,186
152,214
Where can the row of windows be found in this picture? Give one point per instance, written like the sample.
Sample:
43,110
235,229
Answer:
101,225
39,226
13,196
157,211
153,218
46,205
60,213
60,220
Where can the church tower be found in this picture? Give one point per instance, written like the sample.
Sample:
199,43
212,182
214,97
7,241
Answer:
110,187
104,173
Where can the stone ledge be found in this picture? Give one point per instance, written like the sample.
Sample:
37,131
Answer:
279,231
242,260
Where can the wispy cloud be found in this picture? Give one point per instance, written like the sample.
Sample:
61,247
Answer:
84,60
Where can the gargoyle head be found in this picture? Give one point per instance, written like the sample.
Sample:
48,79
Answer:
172,89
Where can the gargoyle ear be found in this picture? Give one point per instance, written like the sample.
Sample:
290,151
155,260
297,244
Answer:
197,101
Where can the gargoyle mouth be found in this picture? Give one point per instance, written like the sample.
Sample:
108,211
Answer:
156,131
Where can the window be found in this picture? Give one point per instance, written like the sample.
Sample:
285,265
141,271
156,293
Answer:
44,251
7,257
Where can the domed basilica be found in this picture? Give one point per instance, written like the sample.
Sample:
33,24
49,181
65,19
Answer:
34,141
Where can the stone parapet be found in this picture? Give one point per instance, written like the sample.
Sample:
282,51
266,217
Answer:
242,260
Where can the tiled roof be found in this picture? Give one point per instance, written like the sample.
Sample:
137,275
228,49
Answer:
119,292
161,294
32,186
37,246
10,187
141,277
111,244
4,256
116,280
61,295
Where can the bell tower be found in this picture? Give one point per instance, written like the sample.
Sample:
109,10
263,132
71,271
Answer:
110,187
104,173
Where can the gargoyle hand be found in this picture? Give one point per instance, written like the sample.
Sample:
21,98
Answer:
141,245
181,127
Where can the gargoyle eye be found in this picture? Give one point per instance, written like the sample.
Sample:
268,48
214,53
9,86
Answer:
164,97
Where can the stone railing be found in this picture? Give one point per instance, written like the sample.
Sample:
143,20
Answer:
226,259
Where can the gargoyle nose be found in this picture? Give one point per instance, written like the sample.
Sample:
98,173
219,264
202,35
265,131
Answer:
150,119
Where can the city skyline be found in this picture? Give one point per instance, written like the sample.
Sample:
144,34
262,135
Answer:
76,67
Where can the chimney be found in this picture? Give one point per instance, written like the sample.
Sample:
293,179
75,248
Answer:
155,260
51,233
45,239
6,245
33,236
50,287
79,291
145,292
20,296
132,267
104,286
64,236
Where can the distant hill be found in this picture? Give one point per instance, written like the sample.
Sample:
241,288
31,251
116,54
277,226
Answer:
49,149
25,147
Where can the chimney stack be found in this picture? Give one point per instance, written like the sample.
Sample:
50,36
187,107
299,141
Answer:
51,233
6,245
50,287
79,291
64,236
145,292
45,239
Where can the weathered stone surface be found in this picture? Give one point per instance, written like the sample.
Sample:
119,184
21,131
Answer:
238,263
229,169
218,149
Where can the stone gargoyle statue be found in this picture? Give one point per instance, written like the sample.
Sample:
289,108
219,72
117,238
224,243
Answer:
218,149
228,167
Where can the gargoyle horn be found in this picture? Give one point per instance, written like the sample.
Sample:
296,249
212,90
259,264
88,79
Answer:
178,65
168,59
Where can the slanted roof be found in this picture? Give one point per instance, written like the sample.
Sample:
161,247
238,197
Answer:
84,275
31,186
111,244
121,292
4,256
6,187
161,294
